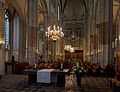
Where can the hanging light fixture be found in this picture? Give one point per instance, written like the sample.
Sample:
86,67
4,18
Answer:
54,33
2,42
72,50
69,48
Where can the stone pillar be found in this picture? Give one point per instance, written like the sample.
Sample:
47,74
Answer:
32,31
22,41
104,13
105,33
54,50
45,51
88,40
102,31
110,32
2,59
2,39
118,31
10,37
98,16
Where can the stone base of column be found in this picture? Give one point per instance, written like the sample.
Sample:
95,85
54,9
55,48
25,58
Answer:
32,57
95,56
15,54
2,62
105,55
22,56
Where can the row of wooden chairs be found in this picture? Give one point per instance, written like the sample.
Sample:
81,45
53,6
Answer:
92,69
17,68
44,65
110,70
97,70
114,84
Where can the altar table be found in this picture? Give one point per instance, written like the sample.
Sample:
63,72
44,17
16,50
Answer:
45,76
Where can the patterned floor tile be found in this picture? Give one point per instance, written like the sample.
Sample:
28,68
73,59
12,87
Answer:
18,83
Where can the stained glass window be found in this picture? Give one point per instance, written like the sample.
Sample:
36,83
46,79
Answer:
6,30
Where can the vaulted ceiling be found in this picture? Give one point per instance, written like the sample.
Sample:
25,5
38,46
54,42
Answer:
70,8
74,9
115,9
23,5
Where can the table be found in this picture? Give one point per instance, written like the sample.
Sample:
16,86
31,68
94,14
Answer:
60,76
32,75
9,67
44,75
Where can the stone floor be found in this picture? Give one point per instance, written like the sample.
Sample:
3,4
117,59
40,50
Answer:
18,83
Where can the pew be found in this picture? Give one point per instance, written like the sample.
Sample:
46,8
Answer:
17,68
115,84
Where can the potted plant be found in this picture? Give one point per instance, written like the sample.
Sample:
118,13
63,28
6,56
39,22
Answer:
79,72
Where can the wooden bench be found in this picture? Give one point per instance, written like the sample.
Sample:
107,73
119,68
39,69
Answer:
115,84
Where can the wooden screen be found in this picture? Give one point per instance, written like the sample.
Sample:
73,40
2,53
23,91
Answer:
76,56
118,62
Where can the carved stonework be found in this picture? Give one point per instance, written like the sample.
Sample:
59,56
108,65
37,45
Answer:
74,32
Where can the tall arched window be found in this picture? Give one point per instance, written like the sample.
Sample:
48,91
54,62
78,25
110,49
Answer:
6,29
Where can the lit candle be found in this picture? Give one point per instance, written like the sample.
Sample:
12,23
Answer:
61,66
35,66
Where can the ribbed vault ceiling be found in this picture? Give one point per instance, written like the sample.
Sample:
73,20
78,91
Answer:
74,9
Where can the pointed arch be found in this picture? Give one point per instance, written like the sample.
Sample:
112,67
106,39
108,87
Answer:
16,5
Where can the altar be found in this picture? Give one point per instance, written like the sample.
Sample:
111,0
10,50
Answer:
44,75
47,76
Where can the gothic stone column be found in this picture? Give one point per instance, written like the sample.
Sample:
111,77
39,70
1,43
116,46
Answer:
10,37
22,42
45,50
2,39
32,31
105,15
110,33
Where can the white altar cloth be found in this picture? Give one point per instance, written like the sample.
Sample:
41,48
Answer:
44,75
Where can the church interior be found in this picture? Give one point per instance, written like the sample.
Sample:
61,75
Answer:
59,46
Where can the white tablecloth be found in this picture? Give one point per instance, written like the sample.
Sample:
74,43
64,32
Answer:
44,75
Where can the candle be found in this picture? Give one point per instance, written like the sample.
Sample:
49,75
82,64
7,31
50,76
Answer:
35,66
77,64
61,66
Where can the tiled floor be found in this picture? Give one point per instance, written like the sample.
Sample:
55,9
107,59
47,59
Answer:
18,83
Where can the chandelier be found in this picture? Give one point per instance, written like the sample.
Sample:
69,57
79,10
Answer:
54,33
69,48
72,50
2,42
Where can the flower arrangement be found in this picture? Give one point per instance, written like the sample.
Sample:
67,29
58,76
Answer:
79,71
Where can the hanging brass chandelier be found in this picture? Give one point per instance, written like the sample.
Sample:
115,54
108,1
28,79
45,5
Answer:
69,48
54,33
